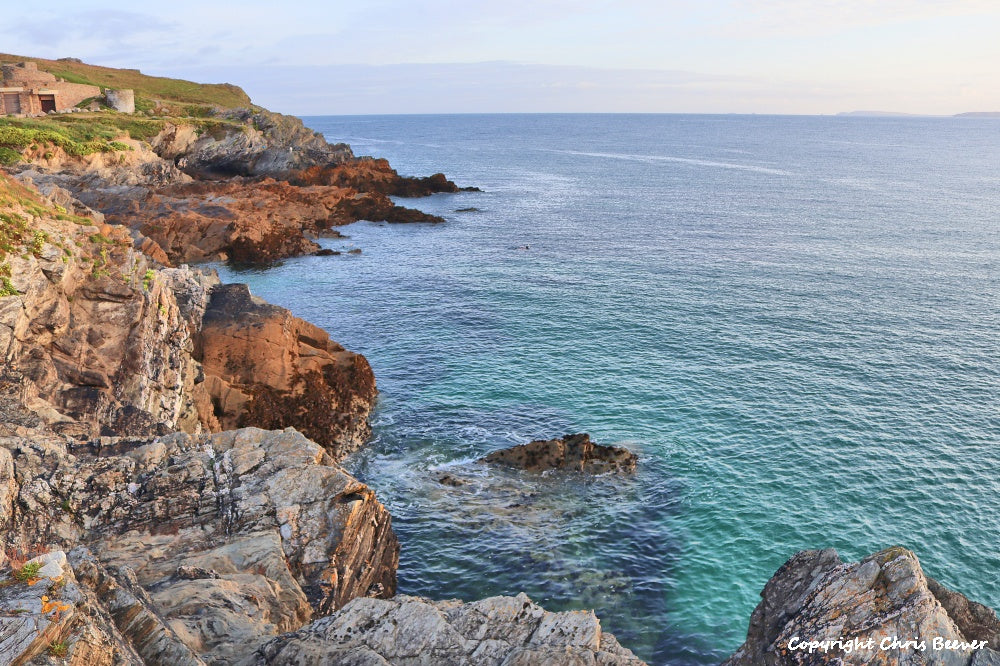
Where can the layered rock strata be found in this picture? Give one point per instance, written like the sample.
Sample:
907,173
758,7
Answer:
882,610
196,548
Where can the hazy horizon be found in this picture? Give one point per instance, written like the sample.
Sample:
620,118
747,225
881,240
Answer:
443,56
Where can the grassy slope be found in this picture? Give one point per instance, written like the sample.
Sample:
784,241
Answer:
224,95
86,133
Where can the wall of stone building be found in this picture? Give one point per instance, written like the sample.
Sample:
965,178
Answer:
69,95
26,74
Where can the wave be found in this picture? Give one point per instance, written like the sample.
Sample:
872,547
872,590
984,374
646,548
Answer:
672,158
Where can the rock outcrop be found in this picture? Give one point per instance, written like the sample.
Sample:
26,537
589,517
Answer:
572,452
266,144
366,174
410,631
254,188
881,610
90,342
96,340
187,549
266,368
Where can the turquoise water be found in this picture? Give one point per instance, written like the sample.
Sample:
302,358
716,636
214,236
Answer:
794,321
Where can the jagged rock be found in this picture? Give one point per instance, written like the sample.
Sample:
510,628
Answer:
405,631
367,174
572,452
298,377
267,144
87,343
973,619
98,341
814,597
202,546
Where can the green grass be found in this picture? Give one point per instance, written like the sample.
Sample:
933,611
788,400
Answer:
223,95
88,133
28,572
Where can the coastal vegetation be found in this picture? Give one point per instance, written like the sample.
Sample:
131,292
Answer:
150,91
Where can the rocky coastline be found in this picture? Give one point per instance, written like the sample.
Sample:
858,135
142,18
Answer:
170,446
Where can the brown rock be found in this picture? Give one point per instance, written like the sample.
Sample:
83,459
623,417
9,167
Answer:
974,620
572,452
270,369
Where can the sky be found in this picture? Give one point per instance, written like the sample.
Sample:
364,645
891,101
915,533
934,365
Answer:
313,57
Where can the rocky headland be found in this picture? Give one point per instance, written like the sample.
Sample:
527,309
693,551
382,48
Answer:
170,447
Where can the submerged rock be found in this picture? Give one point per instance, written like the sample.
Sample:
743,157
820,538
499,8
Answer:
405,631
572,452
861,608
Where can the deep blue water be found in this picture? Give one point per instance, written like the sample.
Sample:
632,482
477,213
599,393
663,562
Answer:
794,321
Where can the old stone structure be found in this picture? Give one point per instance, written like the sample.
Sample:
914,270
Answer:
27,90
121,100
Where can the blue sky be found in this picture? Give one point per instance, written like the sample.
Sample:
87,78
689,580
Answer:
439,56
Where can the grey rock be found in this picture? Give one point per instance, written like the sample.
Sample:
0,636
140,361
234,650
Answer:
816,597
411,631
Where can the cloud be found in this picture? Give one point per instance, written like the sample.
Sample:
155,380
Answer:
100,25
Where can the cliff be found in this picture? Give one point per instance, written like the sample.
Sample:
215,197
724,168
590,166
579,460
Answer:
97,340
182,549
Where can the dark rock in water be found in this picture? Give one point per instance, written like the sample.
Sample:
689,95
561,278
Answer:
449,480
572,452
326,252
470,209
859,607
356,250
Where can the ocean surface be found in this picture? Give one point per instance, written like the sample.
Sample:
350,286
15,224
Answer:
795,321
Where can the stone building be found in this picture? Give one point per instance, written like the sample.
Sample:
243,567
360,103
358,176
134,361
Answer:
26,90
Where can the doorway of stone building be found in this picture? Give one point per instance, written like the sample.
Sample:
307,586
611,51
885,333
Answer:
48,102
10,103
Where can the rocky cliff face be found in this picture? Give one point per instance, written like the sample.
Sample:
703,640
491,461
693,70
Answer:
881,610
89,342
299,378
194,548
268,144
98,341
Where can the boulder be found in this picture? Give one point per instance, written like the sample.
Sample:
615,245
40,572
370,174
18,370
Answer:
572,452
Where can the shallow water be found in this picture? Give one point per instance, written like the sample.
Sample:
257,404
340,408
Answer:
792,319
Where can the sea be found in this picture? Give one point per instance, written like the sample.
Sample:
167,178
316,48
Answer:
793,320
